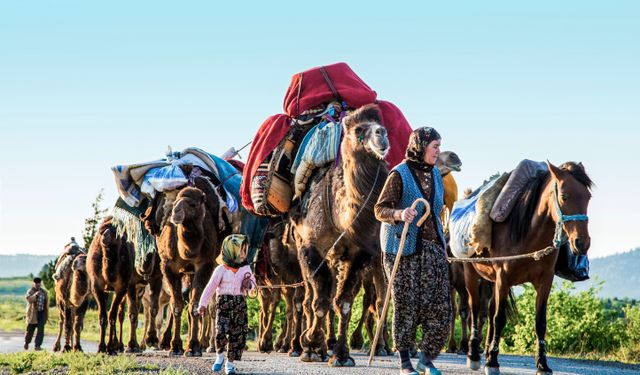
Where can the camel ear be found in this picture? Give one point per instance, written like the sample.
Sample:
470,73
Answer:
555,171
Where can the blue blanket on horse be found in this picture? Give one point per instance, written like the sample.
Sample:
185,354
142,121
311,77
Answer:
461,221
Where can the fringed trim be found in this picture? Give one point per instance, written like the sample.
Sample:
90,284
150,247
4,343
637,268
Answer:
143,242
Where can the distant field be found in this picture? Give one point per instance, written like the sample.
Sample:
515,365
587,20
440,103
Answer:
22,265
17,286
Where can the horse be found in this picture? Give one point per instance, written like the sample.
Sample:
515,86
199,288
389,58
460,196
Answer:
550,211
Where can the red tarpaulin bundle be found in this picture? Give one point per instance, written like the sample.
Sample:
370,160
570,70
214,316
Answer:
311,89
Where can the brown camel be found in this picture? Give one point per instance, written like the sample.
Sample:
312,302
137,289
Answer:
339,203
111,269
147,301
72,290
189,243
278,264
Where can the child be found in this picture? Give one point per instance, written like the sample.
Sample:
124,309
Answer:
230,281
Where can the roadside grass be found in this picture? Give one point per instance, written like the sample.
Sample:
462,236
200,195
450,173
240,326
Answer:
78,363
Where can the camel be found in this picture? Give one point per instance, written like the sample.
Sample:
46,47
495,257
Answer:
339,205
149,321
72,290
188,243
277,265
110,267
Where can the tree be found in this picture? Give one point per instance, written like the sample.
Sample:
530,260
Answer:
91,223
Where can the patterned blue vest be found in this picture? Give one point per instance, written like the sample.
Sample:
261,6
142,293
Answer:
390,233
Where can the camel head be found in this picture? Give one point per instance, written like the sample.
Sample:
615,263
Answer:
80,263
448,161
364,132
109,238
189,207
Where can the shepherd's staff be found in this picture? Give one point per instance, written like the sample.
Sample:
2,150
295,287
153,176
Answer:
396,264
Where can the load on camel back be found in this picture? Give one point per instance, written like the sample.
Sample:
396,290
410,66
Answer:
138,185
472,219
288,147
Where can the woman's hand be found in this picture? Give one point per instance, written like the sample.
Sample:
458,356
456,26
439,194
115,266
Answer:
408,215
202,310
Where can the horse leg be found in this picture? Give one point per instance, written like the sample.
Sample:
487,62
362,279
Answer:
542,295
463,311
487,318
177,304
451,346
101,300
79,325
113,344
320,285
501,296
132,299
471,284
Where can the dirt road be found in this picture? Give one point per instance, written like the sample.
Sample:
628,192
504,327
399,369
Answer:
258,364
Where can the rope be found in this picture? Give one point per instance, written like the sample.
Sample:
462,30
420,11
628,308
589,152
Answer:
536,255
324,260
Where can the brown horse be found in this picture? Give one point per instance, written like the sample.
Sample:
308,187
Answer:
552,209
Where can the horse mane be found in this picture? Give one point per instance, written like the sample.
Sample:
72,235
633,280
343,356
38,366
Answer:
528,200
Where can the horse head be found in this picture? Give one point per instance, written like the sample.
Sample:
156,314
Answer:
570,196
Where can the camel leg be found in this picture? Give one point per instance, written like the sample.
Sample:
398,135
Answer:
347,287
177,304
56,345
68,328
264,297
151,334
267,335
113,346
317,304
471,283
542,295
121,324
79,325
200,279
357,341
165,343
134,308
330,331
284,341
380,288
101,300
295,347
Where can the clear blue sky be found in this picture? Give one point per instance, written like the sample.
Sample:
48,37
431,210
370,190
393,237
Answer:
87,85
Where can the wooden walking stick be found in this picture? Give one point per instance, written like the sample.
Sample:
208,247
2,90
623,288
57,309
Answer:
396,264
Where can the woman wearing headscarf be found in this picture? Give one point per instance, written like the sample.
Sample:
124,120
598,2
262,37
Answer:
231,280
420,290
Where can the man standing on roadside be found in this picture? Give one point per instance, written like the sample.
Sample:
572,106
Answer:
37,313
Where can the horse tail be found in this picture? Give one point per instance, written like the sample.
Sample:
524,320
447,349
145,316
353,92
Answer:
512,310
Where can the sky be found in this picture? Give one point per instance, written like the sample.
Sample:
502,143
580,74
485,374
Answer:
88,85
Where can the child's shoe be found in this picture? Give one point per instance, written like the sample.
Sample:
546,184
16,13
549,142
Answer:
217,365
230,368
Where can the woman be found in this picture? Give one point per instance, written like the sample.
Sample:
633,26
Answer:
421,287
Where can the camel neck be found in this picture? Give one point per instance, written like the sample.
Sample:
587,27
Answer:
191,238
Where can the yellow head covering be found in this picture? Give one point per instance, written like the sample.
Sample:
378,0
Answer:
234,251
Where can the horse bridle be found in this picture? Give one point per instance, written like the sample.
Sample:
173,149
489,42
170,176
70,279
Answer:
560,237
